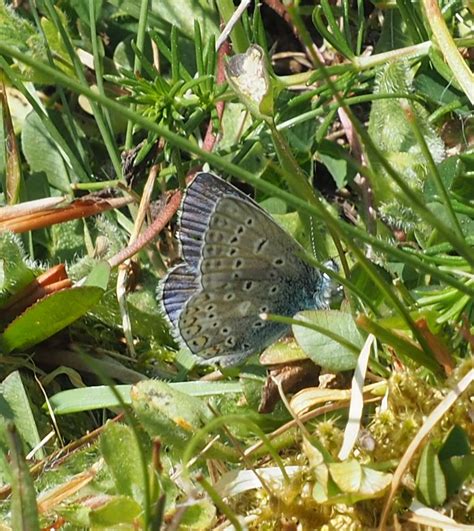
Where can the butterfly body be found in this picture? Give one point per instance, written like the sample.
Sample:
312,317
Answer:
238,264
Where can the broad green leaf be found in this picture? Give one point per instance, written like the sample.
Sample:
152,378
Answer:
394,33
274,206
99,276
282,352
118,441
82,9
169,414
456,459
48,316
235,121
438,90
346,475
449,169
334,344
146,318
430,480
15,395
366,284
349,482
457,469
117,510
334,157
456,443
66,241
43,154
180,13
199,515
374,482
395,138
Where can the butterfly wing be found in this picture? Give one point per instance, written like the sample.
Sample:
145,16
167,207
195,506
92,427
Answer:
197,207
178,286
249,265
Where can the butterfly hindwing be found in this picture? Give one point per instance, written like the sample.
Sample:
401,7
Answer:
215,328
177,287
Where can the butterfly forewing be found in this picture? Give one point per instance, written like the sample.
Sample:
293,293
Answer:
197,208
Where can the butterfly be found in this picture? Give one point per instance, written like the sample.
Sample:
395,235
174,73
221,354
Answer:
238,264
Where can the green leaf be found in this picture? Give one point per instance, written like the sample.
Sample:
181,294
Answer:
118,441
374,482
101,396
456,443
334,157
43,154
361,279
346,475
24,510
199,515
82,9
282,352
438,90
14,273
457,470
395,138
394,33
449,169
99,276
66,241
180,13
117,510
335,341
15,396
430,480
169,414
456,459
48,316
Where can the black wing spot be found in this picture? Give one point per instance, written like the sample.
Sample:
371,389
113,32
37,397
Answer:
232,251
278,262
240,229
238,263
249,221
248,285
230,341
264,309
229,296
273,290
260,245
